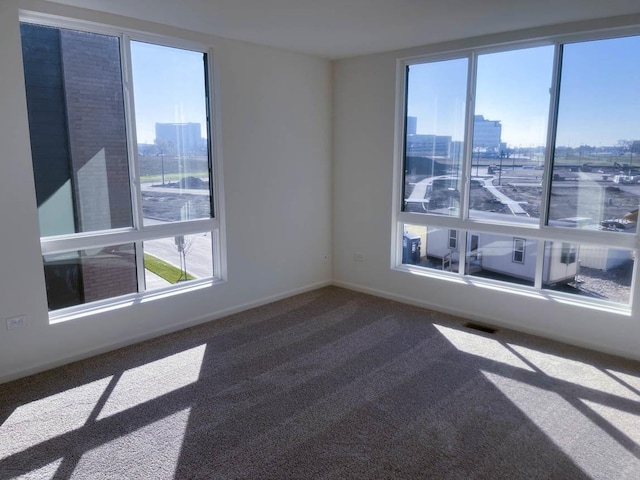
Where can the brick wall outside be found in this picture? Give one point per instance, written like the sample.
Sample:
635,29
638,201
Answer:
97,131
109,273
99,159
46,108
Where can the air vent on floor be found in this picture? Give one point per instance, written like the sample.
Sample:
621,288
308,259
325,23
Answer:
481,328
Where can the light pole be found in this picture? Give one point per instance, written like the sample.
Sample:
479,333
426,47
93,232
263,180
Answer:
162,164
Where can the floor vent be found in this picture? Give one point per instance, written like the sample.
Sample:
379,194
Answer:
481,328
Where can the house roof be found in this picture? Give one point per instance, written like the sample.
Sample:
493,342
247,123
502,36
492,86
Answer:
342,28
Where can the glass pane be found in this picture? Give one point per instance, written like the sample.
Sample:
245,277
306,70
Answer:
88,275
436,105
171,126
177,259
430,247
588,270
77,125
509,134
596,165
499,257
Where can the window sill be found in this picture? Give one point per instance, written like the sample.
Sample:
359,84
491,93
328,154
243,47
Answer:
531,292
126,301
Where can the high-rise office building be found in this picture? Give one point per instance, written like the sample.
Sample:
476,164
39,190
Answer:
486,134
412,125
183,137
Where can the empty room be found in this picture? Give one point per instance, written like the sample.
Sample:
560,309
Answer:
302,239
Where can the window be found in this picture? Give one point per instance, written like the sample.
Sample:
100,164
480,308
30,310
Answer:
433,149
453,239
598,117
532,153
591,271
123,166
568,253
518,250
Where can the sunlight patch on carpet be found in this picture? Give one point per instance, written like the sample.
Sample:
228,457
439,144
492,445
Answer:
632,381
588,446
152,380
481,346
50,417
152,451
627,423
576,372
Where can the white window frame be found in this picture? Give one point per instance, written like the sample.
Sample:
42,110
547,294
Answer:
139,233
540,232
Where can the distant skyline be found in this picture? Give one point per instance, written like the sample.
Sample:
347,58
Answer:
168,86
599,101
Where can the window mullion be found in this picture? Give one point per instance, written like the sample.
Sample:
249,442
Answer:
142,284
554,97
51,245
468,140
132,146
132,143
462,252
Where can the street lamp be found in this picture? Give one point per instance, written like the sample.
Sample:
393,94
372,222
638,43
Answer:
162,163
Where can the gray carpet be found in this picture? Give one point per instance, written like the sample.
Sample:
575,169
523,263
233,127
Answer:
328,384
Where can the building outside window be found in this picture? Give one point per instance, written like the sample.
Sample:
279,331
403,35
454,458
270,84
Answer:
543,173
115,221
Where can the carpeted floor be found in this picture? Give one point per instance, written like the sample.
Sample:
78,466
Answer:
328,384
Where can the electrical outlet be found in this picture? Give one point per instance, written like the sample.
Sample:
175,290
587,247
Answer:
358,257
18,321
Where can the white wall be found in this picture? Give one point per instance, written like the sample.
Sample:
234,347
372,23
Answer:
276,140
364,109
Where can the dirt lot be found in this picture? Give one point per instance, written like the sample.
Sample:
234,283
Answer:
590,197
167,207
594,198
613,285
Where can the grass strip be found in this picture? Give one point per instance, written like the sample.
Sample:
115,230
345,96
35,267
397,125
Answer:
163,269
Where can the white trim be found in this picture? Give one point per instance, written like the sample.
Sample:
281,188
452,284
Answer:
397,203
219,240
114,303
575,235
105,238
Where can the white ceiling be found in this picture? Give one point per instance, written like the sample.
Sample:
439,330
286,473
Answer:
341,28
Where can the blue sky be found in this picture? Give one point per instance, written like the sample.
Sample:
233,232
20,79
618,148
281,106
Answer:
168,87
599,103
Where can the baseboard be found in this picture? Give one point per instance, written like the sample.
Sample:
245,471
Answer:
492,321
108,347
